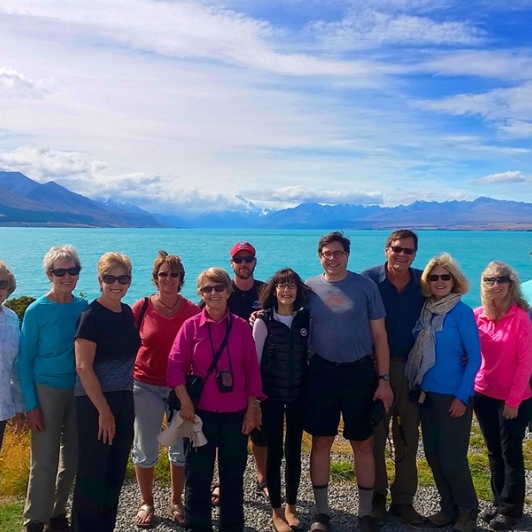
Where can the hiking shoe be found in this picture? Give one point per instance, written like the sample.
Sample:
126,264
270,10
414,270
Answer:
58,524
488,514
440,520
502,522
366,523
379,509
407,514
467,520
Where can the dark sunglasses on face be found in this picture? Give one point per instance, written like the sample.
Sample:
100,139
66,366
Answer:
166,274
503,279
248,259
398,249
216,288
111,279
444,277
61,272
3,284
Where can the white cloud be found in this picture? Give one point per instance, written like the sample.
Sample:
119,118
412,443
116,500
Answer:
504,177
15,85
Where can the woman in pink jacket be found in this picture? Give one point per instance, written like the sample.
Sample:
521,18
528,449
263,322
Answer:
503,398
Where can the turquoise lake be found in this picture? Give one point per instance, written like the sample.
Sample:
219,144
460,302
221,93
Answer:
23,248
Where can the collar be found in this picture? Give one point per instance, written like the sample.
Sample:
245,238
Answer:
511,312
204,318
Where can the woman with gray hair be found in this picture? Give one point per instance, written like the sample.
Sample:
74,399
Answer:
441,367
11,405
503,398
47,373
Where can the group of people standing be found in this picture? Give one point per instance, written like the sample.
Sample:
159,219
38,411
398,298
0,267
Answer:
390,345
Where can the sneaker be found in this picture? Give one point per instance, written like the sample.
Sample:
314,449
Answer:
366,523
379,509
488,514
407,514
58,524
440,520
467,520
502,522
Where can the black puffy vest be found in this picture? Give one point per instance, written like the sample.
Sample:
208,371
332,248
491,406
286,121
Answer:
284,361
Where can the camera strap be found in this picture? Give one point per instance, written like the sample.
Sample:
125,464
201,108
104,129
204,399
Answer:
218,354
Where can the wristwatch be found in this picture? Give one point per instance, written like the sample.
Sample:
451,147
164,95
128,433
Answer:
385,377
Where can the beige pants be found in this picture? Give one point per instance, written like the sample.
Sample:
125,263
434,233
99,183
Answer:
54,456
405,436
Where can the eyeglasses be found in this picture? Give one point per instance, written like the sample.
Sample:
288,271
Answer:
210,288
503,279
61,272
331,254
166,274
444,277
398,249
111,279
287,286
3,284
248,259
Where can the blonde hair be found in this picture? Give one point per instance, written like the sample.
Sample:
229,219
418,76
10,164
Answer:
460,285
65,252
496,268
111,260
216,275
11,283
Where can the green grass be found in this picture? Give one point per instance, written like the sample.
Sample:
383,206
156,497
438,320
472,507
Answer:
342,470
10,514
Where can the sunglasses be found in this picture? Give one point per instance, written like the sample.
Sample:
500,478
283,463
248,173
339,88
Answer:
3,284
332,254
398,249
209,288
61,272
248,259
444,277
111,279
166,274
503,279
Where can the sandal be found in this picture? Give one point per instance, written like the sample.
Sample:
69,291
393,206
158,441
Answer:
177,514
215,495
148,514
262,489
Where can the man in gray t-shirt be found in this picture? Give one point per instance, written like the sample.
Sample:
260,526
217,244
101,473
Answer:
347,334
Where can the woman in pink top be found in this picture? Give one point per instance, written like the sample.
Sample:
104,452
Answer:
503,403
228,405
158,318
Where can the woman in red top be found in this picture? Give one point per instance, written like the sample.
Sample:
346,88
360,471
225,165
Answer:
159,318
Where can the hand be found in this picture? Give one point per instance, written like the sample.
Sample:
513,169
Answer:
385,394
509,412
18,422
253,317
187,411
457,408
106,427
35,420
252,418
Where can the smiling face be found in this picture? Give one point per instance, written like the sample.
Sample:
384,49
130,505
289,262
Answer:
498,287
214,295
440,288
114,292
66,284
333,259
399,261
286,293
167,282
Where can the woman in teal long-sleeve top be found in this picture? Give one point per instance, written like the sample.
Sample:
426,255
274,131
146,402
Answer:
47,375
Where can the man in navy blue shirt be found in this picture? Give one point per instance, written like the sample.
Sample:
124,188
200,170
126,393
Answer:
399,286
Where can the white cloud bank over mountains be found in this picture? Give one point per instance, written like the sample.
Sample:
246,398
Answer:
186,104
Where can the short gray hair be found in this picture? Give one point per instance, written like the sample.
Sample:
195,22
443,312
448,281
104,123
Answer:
65,252
11,283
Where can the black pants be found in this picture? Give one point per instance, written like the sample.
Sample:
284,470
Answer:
101,467
273,417
2,429
223,431
446,442
504,440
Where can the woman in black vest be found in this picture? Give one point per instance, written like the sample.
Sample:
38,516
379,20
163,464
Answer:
281,336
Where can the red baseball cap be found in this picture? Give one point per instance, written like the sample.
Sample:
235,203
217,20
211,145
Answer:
242,246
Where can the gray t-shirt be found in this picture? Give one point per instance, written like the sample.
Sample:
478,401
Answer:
340,314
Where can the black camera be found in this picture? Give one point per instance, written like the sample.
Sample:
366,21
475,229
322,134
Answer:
376,413
224,379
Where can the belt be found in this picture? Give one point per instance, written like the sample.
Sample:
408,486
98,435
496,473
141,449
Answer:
358,362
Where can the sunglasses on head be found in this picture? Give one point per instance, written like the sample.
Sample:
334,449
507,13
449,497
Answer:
443,277
398,249
502,279
209,288
171,274
3,284
248,259
111,279
61,272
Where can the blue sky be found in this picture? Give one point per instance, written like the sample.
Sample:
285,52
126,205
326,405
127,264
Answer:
181,106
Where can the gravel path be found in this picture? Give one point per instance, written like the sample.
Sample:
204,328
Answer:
343,501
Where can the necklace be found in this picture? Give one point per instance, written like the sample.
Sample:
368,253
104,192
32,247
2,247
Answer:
169,310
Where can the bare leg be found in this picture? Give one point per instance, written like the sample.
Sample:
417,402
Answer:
320,460
177,482
291,517
145,482
259,453
364,462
